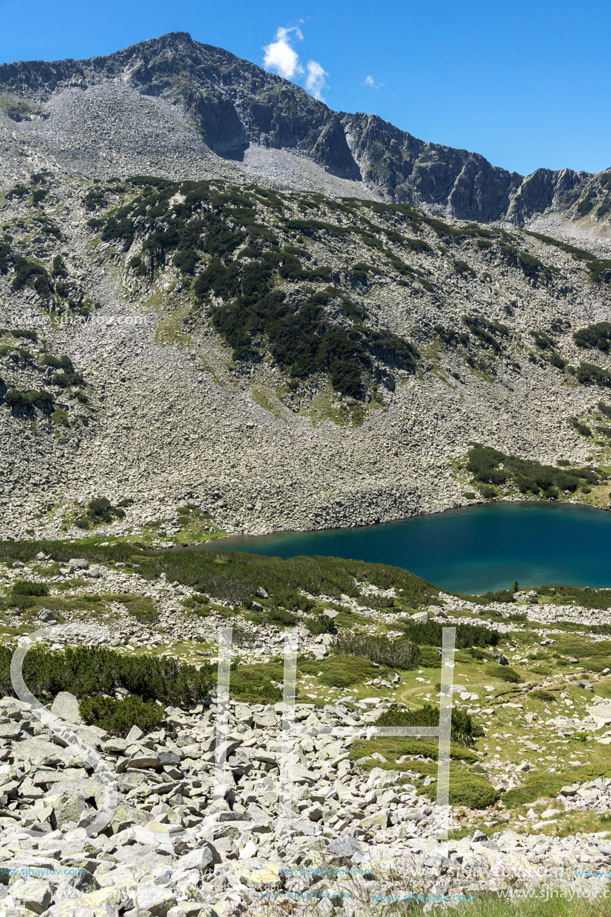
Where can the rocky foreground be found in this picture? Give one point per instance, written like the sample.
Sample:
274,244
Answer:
201,823
180,844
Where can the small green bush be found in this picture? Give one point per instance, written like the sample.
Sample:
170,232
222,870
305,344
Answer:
273,615
27,587
399,653
60,417
590,374
461,267
24,402
504,673
430,657
464,730
99,510
319,624
252,683
430,633
546,696
470,790
118,716
594,336
536,786
579,427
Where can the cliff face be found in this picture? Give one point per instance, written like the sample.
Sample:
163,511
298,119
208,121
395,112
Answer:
463,184
228,104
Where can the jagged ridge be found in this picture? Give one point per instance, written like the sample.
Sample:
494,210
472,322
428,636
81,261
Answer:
233,103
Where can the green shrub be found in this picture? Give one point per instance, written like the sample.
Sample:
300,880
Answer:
60,417
585,596
88,671
599,270
487,331
504,673
467,635
532,267
94,199
252,683
470,790
319,624
430,657
27,587
99,510
118,716
490,466
536,786
29,273
546,696
463,731
579,427
141,607
273,615
556,360
24,402
461,267
590,374
234,576
594,336
399,746
395,653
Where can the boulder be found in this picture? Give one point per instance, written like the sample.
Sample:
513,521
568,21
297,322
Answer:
66,706
34,894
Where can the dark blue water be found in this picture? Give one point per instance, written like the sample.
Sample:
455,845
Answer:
470,550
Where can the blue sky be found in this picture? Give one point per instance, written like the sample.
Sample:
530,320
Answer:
526,84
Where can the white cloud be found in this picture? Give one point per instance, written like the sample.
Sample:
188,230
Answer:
282,57
315,80
280,54
369,81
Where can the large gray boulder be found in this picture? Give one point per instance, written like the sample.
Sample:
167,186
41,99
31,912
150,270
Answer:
66,706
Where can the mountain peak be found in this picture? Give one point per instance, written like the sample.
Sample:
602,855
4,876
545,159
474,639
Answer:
231,104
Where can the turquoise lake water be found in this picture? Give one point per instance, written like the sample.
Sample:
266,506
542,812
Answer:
472,549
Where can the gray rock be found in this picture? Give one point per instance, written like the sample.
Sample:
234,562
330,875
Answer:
34,894
66,706
421,617
345,847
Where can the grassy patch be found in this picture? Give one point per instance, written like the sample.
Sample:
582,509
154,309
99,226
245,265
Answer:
340,671
404,747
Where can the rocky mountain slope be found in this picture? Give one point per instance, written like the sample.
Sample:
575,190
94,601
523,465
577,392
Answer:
177,108
283,360
252,330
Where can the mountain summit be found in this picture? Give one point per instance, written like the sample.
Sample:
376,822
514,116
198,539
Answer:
174,107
